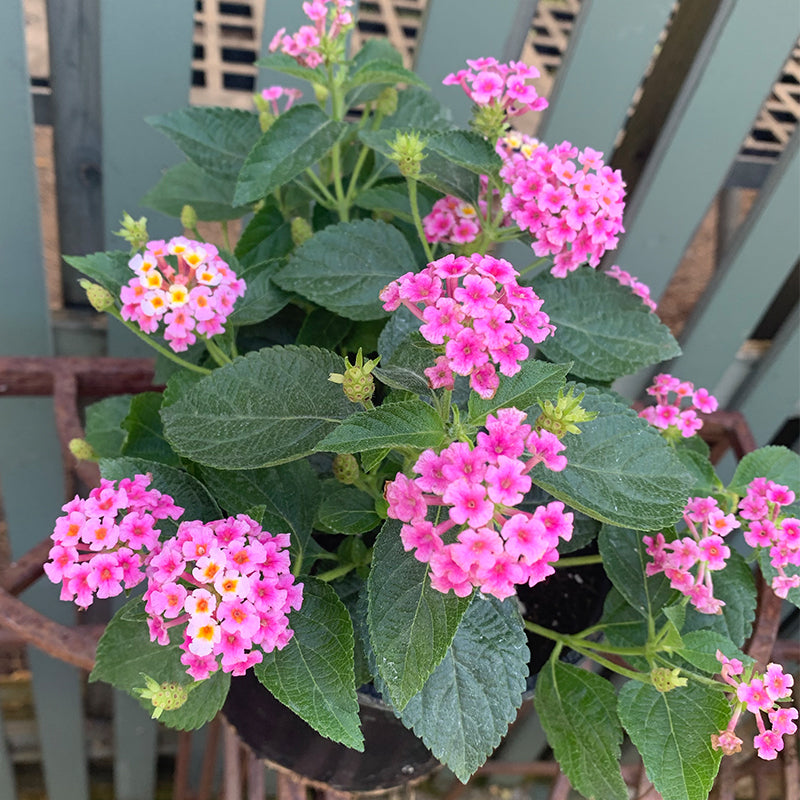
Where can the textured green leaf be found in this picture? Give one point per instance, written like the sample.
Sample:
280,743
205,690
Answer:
104,430
467,149
535,382
262,299
125,653
392,196
266,408
700,647
145,437
187,184
672,731
313,675
620,470
109,269
737,589
411,423
289,493
267,236
411,625
418,109
467,704
702,472
297,140
282,62
185,490
382,71
624,560
578,710
348,510
601,327
344,267
778,464
323,328
216,139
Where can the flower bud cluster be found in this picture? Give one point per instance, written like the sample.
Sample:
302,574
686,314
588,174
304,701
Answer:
640,289
307,44
481,541
759,694
704,548
667,415
229,582
761,507
473,306
184,283
572,210
101,543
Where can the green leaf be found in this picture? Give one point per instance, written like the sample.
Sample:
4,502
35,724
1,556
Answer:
125,653
290,494
282,62
466,705
323,327
624,560
392,196
187,184
467,149
601,327
535,382
700,647
145,437
263,299
215,139
578,710
348,510
778,464
104,425
382,71
344,267
313,675
764,561
185,490
672,731
109,269
297,140
702,472
267,236
266,408
410,423
418,109
736,587
620,470
411,625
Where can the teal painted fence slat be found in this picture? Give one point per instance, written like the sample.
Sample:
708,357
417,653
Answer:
135,750
452,33
761,255
741,56
609,50
146,50
21,332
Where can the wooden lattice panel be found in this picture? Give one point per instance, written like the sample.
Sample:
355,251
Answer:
397,20
227,39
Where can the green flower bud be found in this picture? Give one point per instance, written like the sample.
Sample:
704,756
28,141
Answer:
301,230
345,468
82,450
165,696
563,417
357,381
133,231
666,679
188,217
408,151
320,92
99,298
386,103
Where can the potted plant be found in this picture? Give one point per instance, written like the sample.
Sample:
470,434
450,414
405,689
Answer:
378,434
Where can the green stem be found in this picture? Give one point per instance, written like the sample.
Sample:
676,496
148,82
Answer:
412,197
226,239
535,265
336,572
351,187
157,347
325,197
216,352
578,561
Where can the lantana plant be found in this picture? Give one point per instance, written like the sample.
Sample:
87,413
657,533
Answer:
378,434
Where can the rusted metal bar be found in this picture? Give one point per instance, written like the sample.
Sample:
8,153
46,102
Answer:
210,756
23,572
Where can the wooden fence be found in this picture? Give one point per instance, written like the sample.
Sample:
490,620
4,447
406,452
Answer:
716,117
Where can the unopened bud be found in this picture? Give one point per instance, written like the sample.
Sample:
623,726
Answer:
99,298
320,92
165,696
408,151
563,417
386,103
133,231
345,468
666,679
82,450
188,217
301,230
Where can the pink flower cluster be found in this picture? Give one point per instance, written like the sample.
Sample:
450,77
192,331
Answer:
761,507
101,543
760,694
704,548
640,289
572,210
229,582
496,84
474,306
274,93
666,413
482,542
305,45
184,283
